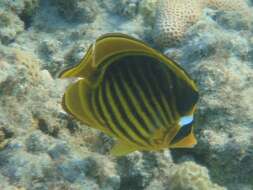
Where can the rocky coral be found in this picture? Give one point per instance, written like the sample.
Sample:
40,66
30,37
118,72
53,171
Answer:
222,65
11,26
126,8
190,176
175,17
235,142
37,138
147,9
76,11
41,147
30,123
133,9
19,14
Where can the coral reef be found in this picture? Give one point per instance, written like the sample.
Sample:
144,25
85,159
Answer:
175,17
31,122
190,176
20,13
10,24
41,147
222,65
126,8
147,9
76,10
39,139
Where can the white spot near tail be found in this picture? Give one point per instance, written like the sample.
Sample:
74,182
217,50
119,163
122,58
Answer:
185,120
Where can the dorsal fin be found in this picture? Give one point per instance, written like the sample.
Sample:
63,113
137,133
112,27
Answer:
104,47
113,44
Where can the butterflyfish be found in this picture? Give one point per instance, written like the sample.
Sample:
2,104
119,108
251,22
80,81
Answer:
132,92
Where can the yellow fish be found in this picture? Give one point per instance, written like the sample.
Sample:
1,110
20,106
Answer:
132,92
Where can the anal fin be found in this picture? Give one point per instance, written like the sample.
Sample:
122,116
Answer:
122,148
187,142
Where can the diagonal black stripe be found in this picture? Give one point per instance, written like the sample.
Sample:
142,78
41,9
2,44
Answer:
123,114
93,103
101,113
130,102
186,97
163,86
137,95
114,118
141,69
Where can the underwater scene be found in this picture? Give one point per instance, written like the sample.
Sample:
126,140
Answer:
126,94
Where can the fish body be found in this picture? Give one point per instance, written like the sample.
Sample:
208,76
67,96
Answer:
130,91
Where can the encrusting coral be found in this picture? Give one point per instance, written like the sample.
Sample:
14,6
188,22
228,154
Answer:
76,10
191,176
43,148
175,16
10,25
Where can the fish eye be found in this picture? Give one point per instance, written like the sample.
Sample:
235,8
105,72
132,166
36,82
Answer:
185,130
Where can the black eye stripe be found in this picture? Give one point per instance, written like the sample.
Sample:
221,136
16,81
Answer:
182,133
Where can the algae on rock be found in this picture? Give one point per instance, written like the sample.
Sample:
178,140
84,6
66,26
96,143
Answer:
39,38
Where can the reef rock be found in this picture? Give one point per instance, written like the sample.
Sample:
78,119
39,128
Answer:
41,147
174,17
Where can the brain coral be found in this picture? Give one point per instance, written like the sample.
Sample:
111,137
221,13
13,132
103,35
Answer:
191,176
175,16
